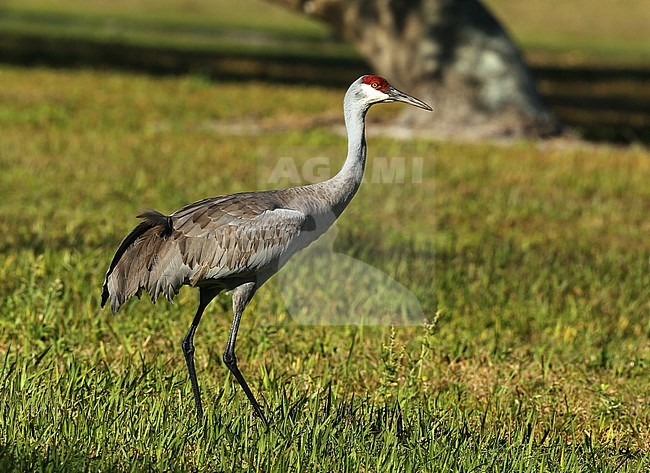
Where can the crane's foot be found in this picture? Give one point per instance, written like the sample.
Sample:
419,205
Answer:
258,412
231,362
199,412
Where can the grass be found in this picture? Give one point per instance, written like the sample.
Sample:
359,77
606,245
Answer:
591,69
579,31
217,26
217,14
530,264
549,32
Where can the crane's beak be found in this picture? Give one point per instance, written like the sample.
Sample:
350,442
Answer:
395,95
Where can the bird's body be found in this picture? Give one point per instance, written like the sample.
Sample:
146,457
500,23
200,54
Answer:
221,242
238,241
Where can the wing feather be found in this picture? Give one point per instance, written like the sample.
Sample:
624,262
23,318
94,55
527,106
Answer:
219,239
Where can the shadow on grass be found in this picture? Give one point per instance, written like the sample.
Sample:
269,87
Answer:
35,50
604,104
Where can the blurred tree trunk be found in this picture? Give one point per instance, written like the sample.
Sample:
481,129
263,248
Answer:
452,53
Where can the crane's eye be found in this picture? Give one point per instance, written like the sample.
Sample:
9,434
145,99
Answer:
375,85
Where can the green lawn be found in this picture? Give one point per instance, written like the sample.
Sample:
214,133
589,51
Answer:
581,31
530,261
591,68
246,27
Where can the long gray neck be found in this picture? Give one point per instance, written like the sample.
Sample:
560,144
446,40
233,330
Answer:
355,124
345,184
329,198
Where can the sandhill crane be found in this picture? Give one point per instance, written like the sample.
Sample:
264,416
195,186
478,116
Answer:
237,242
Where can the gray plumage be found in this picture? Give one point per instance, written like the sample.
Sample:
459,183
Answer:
220,242
237,241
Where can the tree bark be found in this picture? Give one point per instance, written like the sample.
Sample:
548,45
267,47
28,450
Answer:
452,53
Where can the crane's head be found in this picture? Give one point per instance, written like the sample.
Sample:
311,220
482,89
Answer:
373,89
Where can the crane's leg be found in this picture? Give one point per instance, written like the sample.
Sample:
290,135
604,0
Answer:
241,296
205,298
